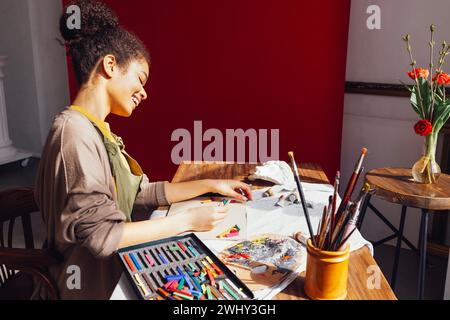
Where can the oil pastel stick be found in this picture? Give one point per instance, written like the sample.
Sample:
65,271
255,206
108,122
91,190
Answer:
235,288
162,258
180,244
140,284
196,283
194,252
149,259
130,264
230,291
213,265
136,263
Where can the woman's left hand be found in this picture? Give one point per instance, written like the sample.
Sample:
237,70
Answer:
232,189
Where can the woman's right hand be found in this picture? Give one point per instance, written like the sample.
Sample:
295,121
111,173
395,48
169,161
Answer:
206,218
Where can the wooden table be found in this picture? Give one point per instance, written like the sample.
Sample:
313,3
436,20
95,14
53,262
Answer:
396,185
362,266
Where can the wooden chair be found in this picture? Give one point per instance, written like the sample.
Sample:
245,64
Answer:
29,262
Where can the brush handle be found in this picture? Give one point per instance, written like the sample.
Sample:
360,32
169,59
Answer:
302,198
342,245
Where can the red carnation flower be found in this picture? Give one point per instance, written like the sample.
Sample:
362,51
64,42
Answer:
423,127
418,72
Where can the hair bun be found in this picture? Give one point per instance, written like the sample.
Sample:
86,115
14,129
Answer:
96,17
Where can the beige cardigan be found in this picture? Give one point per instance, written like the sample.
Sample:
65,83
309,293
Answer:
75,192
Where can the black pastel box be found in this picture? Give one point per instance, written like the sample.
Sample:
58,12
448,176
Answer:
180,268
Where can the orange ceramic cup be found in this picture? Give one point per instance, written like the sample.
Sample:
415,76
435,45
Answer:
326,273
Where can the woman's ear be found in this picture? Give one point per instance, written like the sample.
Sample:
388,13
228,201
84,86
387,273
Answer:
109,65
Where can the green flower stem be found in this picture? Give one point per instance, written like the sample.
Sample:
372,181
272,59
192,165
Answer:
430,153
430,144
413,64
431,72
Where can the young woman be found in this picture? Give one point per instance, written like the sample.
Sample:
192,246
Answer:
87,185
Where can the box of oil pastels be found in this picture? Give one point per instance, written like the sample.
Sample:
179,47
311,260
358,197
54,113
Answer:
180,268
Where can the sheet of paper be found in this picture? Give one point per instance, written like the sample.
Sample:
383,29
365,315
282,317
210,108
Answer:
237,215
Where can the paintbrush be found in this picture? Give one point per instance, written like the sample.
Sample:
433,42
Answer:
325,228
341,228
335,195
322,224
339,223
351,183
342,245
302,197
355,210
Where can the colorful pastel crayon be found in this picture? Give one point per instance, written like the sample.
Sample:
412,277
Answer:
136,263
208,268
193,251
186,278
130,264
163,292
230,291
140,284
183,296
214,265
194,279
191,266
169,283
208,293
216,293
171,277
186,292
162,258
210,276
236,289
149,259
181,246
180,284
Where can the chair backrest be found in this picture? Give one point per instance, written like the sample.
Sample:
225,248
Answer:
15,203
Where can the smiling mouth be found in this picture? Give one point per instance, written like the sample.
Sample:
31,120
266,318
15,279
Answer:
135,101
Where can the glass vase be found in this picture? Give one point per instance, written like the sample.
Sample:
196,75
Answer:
426,170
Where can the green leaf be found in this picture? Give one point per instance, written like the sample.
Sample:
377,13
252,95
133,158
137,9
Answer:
439,107
438,97
442,118
424,88
414,102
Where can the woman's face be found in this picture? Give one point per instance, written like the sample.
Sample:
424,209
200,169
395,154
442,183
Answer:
126,88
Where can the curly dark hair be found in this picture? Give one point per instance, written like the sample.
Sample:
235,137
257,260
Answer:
100,34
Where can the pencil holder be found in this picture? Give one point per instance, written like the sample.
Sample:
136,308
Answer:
326,273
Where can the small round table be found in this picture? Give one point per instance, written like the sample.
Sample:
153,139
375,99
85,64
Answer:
396,185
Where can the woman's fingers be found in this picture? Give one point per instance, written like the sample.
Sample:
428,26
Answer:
246,190
238,196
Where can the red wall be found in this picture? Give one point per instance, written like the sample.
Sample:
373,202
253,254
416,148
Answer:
238,64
